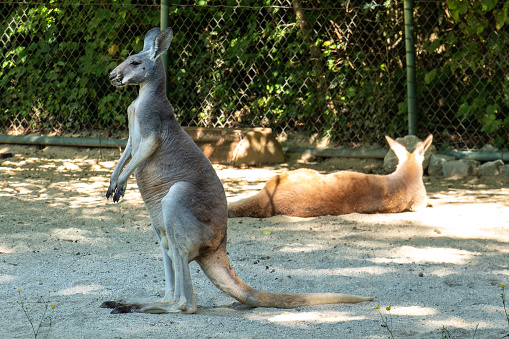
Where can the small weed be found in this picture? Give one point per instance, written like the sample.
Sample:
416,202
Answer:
386,320
505,308
45,320
445,333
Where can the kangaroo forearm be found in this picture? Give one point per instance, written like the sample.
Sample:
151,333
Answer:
122,162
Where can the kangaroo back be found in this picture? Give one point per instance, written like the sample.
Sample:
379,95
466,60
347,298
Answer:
306,193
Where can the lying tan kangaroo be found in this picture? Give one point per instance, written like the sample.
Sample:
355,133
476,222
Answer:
183,195
306,193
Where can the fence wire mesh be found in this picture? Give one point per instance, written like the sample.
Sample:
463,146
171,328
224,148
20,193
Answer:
334,68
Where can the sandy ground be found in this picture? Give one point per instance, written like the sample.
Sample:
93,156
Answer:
438,268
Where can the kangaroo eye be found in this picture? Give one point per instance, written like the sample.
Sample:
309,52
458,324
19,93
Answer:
135,63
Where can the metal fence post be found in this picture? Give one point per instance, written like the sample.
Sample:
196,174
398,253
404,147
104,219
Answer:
226,80
410,66
165,12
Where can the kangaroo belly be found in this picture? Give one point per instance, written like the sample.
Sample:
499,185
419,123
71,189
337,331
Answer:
314,194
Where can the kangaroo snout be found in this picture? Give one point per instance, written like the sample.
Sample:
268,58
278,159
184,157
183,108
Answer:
116,78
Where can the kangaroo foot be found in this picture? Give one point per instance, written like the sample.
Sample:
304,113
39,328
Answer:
126,306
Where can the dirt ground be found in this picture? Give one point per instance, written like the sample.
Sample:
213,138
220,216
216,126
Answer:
440,268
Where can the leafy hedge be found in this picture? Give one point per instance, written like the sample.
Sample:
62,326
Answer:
463,67
57,58
339,70
259,69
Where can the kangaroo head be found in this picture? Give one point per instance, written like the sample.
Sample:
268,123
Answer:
402,153
140,68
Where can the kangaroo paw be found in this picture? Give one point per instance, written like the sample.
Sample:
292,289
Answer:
120,306
119,193
109,304
124,309
109,193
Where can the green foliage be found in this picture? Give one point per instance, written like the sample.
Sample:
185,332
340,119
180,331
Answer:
506,313
249,65
53,78
244,66
46,320
386,320
258,70
470,76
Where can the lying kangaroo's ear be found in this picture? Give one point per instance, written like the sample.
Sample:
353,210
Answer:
162,43
422,147
150,37
400,150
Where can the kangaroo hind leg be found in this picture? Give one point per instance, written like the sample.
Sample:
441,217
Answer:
185,236
182,236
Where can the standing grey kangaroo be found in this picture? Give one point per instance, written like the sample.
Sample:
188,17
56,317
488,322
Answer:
183,195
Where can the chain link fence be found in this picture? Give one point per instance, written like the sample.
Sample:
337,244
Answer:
332,68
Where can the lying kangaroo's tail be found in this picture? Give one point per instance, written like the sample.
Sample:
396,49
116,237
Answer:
256,206
217,268
248,207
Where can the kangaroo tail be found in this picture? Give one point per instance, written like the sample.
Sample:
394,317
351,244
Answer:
217,268
256,206
248,207
232,210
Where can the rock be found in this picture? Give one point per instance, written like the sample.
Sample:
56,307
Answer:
504,170
243,146
436,162
489,148
491,168
258,146
459,168
409,141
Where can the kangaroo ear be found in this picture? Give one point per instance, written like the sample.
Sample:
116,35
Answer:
162,43
149,39
400,150
422,147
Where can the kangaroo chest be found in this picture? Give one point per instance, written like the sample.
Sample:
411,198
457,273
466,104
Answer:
134,125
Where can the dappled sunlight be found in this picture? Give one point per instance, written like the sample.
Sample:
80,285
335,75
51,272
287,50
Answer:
4,249
457,322
250,191
5,278
240,184
358,272
413,311
469,193
469,221
286,218
248,174
69,166
105,164
83,289
72,234
304,248
502,272
410,254
316,317
442,271
302,318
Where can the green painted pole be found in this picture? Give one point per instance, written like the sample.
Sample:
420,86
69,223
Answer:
410,67
165,15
